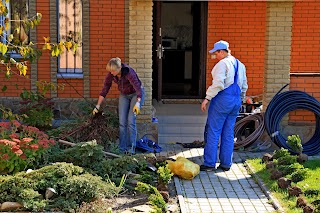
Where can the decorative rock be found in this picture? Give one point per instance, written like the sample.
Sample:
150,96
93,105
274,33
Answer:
142,208
301,202
294,191
165,195
49,193
308,209
284,183
151,158
266,157
275,174
9,206
162,187
271,165
302,158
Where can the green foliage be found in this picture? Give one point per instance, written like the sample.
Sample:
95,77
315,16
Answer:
299,175
289,169
7,114
294,142
280,153
91,187
146,177
165,174
37,108
21,146
155,197
115,168
287,160
311,192
310,185
72,184
86,154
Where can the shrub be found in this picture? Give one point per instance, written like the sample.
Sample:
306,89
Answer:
155,198
289,169
165,174
115,168
37,108
85,154
299,175
21,146
72,184
282,152
287,160
311,192
294,142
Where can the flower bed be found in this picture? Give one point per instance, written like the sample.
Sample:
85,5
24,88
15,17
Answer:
21,146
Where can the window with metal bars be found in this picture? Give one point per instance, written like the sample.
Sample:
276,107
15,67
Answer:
70,28
17,18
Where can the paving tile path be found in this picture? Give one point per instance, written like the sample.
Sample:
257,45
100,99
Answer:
218,191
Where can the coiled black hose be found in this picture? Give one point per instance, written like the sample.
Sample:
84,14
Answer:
285,102
254,136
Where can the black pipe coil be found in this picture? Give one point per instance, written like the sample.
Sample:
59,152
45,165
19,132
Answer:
285,102
254,136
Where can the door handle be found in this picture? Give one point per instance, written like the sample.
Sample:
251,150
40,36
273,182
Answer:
160,51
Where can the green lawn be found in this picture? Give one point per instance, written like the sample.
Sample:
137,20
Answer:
289,203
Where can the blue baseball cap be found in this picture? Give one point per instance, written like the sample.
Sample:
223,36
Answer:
220,45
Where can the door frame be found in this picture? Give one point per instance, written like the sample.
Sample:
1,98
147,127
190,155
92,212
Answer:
157,49
157,52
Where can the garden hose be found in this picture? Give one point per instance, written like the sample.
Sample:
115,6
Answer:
254,136
285,102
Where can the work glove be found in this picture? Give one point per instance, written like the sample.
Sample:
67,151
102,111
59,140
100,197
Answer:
136,108
96,109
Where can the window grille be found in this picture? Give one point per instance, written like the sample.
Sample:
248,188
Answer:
70,28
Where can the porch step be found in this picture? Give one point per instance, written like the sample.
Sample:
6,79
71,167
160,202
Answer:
182,119
181,128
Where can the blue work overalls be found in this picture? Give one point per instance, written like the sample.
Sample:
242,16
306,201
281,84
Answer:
222,115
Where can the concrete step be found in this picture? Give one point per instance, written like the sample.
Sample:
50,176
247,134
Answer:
187,138
182,119
181,128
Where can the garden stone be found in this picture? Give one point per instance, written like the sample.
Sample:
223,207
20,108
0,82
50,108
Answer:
165,195
295,191
302,158
271,165
9,206
266,157
275,174
308,209
284,183
302,202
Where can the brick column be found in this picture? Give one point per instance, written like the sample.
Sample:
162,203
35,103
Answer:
140,49
278,49
86,47
53,38
33,37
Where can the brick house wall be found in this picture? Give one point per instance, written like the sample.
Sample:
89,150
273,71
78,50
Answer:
305,54
267,36
245,32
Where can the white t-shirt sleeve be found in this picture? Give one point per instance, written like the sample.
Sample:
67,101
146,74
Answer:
219,75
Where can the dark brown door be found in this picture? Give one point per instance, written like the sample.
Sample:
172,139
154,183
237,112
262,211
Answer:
179,49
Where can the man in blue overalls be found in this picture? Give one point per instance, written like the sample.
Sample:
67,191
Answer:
228,89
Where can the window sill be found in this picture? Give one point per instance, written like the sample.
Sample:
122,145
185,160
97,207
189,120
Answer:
70,75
